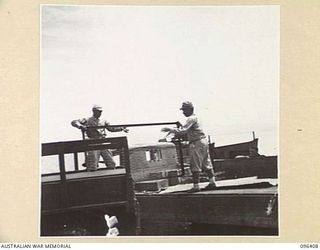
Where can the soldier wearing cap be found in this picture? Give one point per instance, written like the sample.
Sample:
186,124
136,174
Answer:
92,157
198,146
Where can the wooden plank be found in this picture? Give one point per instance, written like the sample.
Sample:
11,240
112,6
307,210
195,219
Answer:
50,197
265,167
94,191
246,191
158,175
267,190
174,181
84,174
85,207
223,183
154,185
54,148
222,209
232,150
99,173
83,192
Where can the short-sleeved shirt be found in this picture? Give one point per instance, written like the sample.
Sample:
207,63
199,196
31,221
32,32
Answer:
192,128
98,132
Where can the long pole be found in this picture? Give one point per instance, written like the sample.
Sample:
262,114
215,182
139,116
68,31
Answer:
178,124
139,125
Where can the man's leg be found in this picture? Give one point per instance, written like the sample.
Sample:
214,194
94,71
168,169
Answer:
196,180
92,159
210,174
195,164
108,158
207,168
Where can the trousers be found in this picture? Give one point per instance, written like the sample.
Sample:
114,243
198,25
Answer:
92,159
199,157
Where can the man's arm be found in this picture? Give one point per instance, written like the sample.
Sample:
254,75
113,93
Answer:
116,129
80,123
183,129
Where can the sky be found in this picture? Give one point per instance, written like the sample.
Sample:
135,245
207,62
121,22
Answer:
141,62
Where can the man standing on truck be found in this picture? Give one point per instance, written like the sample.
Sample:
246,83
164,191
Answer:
92,157
198,147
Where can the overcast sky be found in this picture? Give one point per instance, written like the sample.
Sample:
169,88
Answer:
141,62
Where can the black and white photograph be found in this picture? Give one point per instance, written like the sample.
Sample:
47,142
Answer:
159,121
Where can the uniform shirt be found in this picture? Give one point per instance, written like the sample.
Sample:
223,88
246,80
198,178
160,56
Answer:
192,128
92,122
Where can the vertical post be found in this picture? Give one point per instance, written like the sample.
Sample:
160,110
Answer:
85,153
63,184
76,162
122,160
62,167
181,156
253,134
211,153
126,158
133,204
83,135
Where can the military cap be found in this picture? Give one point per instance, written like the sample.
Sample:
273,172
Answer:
186,105
97,107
